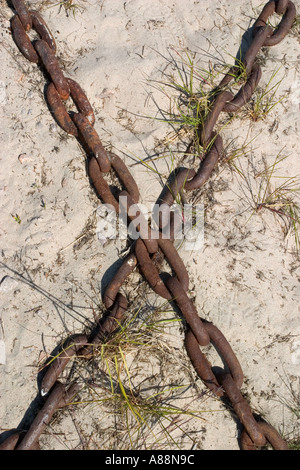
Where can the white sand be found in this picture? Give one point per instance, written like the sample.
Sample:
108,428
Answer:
245,280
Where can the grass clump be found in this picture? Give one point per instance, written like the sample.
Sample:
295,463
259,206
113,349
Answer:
70,6
148,411
270,191
265,99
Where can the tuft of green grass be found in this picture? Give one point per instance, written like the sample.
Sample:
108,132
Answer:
234,152
279,195
145,417
295,29
16,218
265,99
294,445
136,335
291,401
70,7
146,423
190,93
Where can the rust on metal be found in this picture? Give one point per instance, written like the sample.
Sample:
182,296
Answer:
103,189
43,418
207,165
260,36
212,117
57,365
22,40
175,228
245,92
281,6
246,442
59,111
225,352
11,441
150,271
284,25
188,310
101,186
51,64
271,435
248,62
125,177
92,140
242,409
129,207
23,13
58,108
178,182
105,327
233,72
69,394
201,364
42,29
267,11
175,261
81,101
112,321
126,268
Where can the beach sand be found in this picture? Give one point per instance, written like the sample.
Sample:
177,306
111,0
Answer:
244,279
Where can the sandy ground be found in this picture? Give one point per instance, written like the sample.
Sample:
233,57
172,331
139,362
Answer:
53,267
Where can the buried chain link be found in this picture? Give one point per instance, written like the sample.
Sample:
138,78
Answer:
146,250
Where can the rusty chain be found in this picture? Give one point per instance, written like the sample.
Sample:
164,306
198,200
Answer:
146,250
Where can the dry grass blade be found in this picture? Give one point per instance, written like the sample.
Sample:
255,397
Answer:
69,6
278,194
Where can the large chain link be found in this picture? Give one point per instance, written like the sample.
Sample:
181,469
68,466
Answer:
147,249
